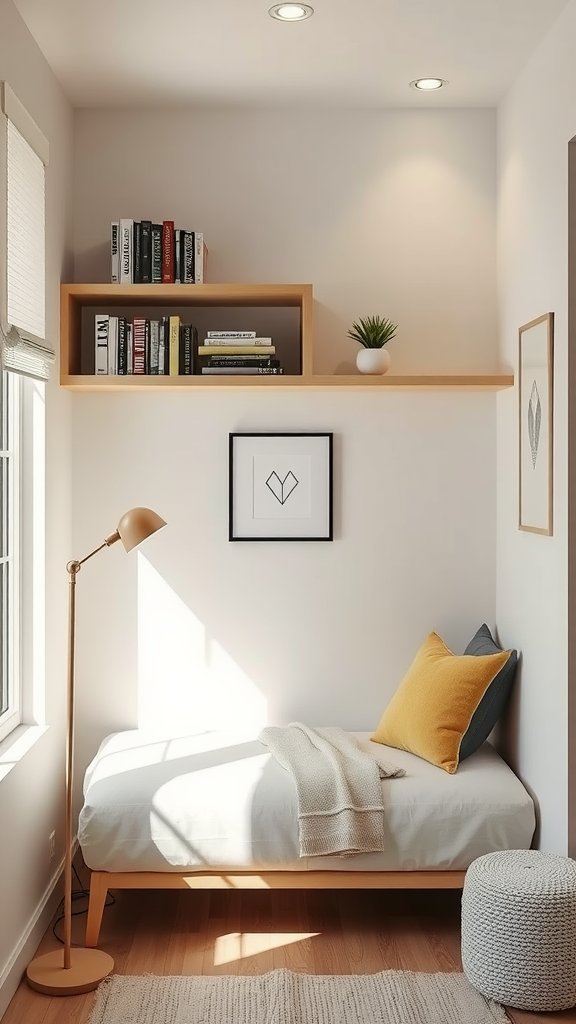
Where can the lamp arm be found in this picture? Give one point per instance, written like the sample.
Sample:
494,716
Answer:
74,566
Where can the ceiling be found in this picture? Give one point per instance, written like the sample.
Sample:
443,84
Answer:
351,53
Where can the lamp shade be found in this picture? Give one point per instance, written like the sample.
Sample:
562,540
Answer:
138,524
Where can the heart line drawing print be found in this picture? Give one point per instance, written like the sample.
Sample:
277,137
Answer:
282,489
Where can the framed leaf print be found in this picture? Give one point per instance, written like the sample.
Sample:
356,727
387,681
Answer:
535,407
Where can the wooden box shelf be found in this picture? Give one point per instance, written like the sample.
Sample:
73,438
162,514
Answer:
284,311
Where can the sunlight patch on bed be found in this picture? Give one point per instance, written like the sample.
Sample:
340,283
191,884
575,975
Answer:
239,945
187,682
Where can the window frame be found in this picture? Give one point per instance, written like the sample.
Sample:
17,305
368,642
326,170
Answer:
21,621
11,618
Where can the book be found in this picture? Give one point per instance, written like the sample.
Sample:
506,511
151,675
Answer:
101,344
114,252
174,346
219,355
154,346
156,250
137,252
230,334
146,252
122,350
146,346
233,341
162,344
139,344
112,344
177,257
185,359
125,251
188,257
237,350
168,252
244,361
248,371
199,257
129,347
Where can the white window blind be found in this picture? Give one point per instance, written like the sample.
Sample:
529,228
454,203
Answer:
22,327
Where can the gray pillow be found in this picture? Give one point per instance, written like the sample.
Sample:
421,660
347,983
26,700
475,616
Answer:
494,700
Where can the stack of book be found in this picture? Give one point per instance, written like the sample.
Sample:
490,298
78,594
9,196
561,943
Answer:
142,252
237,353
123,346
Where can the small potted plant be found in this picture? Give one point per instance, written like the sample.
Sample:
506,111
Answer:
372,332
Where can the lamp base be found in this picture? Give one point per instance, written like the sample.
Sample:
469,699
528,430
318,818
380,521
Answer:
89,967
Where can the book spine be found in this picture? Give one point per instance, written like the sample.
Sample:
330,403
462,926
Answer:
101,344
194,349
199,257
114,252
188,265
122,352
162,344
177,257
126,256
147,346
137,246
211,340
243,361
237,350
174,346
230,334
154,346
129,348
185,364
146,252
248,371
139,344
112,344
156,249
168,252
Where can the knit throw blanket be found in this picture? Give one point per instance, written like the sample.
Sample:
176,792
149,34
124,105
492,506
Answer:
340,804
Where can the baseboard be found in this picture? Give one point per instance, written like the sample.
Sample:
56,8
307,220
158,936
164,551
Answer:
25,949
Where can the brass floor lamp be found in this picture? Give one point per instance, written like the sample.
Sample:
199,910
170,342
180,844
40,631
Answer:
72,971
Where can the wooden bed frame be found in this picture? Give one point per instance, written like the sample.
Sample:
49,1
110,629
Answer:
102,881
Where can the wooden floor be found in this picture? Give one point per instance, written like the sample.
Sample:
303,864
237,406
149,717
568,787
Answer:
316,932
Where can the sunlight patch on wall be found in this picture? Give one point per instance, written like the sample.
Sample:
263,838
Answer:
187,683
239,945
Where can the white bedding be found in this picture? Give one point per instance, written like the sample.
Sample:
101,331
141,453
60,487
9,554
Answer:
219,801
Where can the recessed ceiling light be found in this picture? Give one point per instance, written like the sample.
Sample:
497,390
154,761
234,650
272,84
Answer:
428,84
291,12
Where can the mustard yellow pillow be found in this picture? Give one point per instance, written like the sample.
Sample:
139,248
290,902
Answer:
433,706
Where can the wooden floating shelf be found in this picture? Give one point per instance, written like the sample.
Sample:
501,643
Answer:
470,382
297,348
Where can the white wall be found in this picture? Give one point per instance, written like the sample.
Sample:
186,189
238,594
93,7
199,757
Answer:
31,793
390,213
536,121
384,212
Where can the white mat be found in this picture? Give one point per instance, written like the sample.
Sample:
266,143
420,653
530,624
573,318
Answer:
284,997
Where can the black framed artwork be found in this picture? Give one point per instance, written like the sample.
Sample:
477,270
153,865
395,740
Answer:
280,486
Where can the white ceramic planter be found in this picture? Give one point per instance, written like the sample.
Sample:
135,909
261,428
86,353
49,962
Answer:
373,360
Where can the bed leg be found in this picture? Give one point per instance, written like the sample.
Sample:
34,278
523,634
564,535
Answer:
98,894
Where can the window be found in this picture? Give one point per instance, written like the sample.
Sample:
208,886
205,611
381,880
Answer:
25,359
10,696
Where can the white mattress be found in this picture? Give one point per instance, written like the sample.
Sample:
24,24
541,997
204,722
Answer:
216,801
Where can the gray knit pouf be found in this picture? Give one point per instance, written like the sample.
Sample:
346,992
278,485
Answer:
519,929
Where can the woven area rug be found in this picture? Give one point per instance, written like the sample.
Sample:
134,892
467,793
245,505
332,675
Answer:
284,997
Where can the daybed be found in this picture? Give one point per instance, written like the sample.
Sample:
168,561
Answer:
216,810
